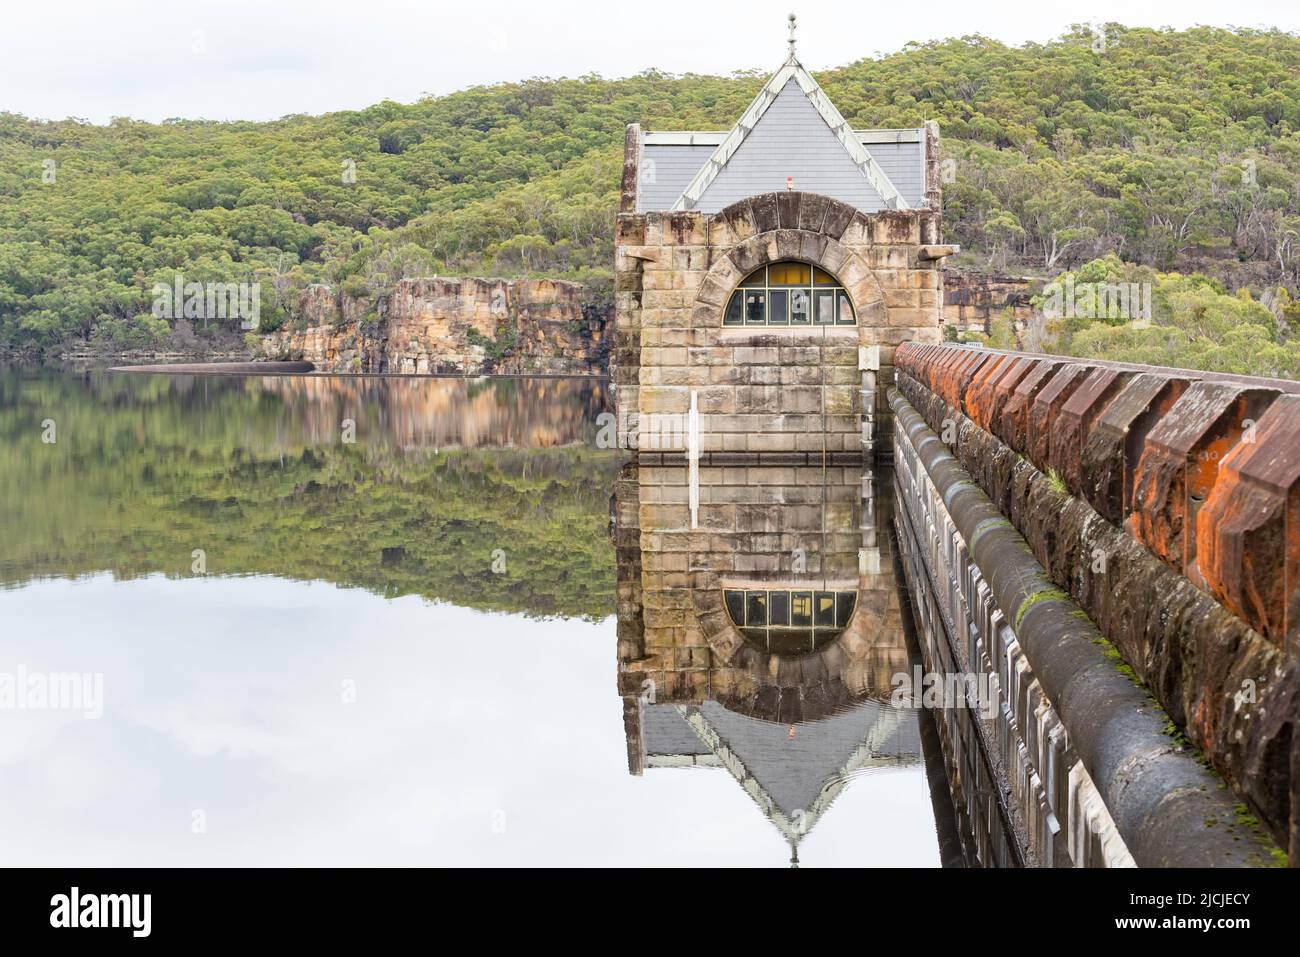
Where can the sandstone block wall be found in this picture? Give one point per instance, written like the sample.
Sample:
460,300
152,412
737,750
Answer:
769,389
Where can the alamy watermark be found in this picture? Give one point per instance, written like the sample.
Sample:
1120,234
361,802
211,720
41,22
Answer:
940,691
651,431
1097,300
24,690
209,300
78,909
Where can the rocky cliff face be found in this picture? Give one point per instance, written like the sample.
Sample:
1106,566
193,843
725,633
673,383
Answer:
467,326
972,300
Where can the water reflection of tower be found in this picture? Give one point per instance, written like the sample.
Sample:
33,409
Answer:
776,612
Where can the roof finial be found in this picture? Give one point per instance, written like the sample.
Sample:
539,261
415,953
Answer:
793,58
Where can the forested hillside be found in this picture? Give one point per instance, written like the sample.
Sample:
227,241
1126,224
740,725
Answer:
1173,150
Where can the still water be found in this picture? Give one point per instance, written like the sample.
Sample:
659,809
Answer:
330,620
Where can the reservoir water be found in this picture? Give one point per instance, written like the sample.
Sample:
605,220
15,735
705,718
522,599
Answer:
333,620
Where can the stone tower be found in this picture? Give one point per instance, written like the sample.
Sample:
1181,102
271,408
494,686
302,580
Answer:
765,274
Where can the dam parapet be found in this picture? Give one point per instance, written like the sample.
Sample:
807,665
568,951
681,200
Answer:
1155,506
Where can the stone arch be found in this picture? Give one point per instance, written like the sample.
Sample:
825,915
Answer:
783,226
796,688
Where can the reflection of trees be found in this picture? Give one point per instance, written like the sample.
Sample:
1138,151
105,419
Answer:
148,469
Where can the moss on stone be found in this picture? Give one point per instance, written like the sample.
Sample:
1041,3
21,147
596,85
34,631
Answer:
986,526
1045,594
1244,817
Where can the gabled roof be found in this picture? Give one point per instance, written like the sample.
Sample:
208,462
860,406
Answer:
676,156
793,781
811,140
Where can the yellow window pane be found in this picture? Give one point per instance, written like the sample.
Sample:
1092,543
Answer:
823,279
788,274
757,278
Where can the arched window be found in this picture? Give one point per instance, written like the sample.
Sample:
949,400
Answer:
789,294
789,621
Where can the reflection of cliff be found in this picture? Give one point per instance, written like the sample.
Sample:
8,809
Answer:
147,469
443,413
791,728
449,325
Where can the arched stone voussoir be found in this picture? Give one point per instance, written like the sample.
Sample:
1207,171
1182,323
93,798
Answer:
812,246
841,668
790,242
838,217
845,264
866,293
806,212
711,614
835,256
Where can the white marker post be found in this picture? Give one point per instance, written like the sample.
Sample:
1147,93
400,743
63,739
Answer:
693,457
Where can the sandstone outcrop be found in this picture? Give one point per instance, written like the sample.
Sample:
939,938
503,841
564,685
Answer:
455,326
972,300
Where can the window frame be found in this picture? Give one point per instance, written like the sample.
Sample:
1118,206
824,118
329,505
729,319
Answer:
757,289
790,636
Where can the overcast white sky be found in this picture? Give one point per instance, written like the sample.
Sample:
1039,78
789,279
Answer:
260,59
